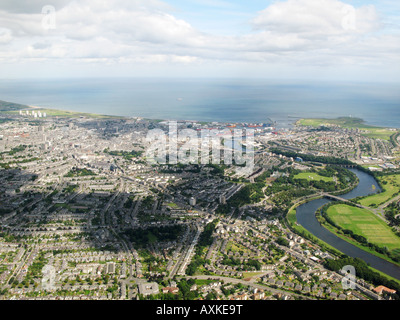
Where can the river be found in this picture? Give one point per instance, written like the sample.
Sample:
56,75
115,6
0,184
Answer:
306,217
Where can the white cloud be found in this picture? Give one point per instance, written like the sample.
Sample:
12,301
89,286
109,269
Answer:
5,36
314,18
30,6
306,32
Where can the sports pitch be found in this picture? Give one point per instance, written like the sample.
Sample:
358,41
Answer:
310,176
366,224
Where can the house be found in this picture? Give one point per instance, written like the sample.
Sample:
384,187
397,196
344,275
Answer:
258,295
342,296
298,287
242,297
380,289
333,295
193,288
173,290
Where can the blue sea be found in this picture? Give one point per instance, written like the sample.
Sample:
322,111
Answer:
224,100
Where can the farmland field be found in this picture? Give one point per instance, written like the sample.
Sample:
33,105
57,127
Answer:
364,223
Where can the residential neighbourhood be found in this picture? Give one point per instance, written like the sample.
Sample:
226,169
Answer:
85,215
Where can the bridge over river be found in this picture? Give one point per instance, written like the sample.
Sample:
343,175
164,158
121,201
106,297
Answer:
336,198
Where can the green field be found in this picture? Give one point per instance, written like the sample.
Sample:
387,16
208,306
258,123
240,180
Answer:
364,223
391,184
14,108
251,274
6,106
73,114
377,133
63,113
351,123
312,176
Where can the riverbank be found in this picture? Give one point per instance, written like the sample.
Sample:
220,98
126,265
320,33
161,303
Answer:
306,217
362,229
300,230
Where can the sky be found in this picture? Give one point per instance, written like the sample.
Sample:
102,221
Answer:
350,40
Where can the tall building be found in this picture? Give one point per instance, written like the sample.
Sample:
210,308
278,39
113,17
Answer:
192,201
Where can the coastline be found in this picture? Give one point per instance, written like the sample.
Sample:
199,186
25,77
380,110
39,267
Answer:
14,108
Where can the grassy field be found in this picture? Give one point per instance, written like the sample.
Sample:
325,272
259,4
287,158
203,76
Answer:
235,247
352,123
367,166
292,221
204,282
251,274
377,133
366,224
312,176
74,114
6,106
65,114
345,122
391,184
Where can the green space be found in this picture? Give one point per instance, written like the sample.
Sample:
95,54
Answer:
391,186
345,122
14,108
15,150
127,155
377,133
250,264
235,247
205,240
364,223
251,274
367,166
153,234
73,114
350,123
77,172
10,106
312,176
363,271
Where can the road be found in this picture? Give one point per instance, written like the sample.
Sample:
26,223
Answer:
249,283
189,252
